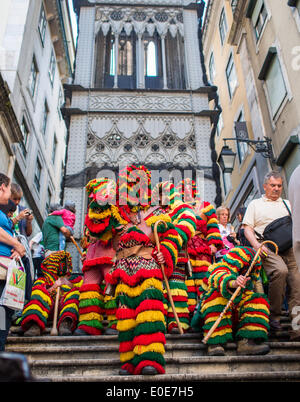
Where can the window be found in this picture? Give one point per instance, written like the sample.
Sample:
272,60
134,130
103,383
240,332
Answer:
48,201
42,24
233,4
231,76
223,26
24,142
294,3
151,69
54,149
60,102
258,18
45,117
271,73
242,133
33,78
212,68
220,124
37,175
226,182
52,67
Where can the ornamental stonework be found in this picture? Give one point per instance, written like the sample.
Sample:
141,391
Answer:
154,140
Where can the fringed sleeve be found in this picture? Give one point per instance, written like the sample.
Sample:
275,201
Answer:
170,245
233,264
213,235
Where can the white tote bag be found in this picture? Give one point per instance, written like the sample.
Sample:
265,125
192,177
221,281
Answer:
13,295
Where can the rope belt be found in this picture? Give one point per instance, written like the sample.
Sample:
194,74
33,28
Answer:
139,251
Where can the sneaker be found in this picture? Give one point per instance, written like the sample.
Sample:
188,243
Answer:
248,347
33,330
215,350
65,327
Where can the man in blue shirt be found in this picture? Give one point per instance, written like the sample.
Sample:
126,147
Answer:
10,247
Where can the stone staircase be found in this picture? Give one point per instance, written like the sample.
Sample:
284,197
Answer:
96,359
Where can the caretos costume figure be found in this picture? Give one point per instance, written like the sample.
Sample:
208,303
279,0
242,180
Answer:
166,195
98,260
136,275
57,270
248,320
200,250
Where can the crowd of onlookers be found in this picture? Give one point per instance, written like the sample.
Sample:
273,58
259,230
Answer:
15,242
282,270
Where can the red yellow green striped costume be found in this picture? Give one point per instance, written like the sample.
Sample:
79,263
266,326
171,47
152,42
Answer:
179,213
93,304
40,307
139,280
249,316
200,255
198,250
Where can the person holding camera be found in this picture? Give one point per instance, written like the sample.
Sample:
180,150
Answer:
22,218
281,269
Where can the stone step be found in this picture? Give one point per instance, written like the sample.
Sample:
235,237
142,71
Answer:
177,379
200,365
68,350
16,342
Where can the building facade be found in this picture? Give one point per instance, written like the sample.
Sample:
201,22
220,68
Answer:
10,132
253,59
138,94
37,55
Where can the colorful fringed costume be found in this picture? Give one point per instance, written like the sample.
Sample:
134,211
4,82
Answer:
170,198
99,254
249,316
136,273
40,307
199,252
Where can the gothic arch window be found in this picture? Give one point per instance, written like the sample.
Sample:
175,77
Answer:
153,61
105,66
151,69
175,61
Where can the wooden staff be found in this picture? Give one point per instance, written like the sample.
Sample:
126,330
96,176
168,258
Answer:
76,245
54,331
165,278
237,291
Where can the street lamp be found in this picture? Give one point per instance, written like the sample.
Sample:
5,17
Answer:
226,159
227,156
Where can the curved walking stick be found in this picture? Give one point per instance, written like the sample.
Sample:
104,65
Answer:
165,277
237,291
76,245
54,331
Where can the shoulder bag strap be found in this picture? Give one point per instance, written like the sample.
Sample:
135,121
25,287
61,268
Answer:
285,204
